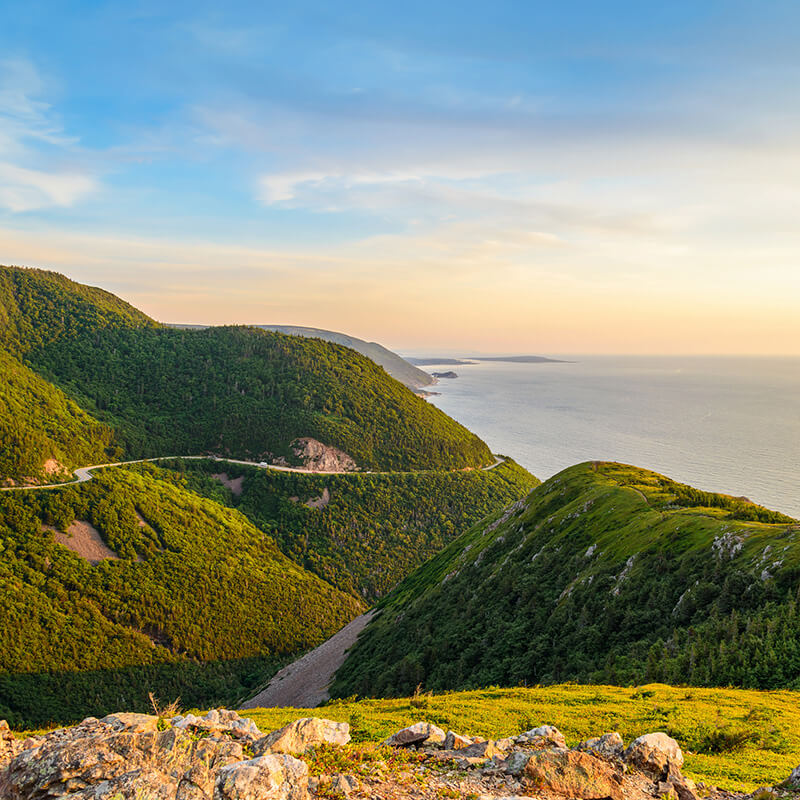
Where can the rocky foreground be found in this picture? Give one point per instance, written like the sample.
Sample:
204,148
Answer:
223,756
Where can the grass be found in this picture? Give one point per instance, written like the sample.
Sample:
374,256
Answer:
734,738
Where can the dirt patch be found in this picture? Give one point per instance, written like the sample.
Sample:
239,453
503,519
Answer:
322,457
321,501
304,683
140,519
234,484
52,467
84,540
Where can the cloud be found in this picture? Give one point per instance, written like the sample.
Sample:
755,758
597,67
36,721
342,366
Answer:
36,157
27,189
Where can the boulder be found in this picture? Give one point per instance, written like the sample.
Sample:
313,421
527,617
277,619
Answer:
574,774
296,737
418,733
452,741
609,745
544,734
654,752
268,777
515,764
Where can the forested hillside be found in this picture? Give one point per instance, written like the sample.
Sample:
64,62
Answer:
606,573
362,533
231,391
44,434
191,600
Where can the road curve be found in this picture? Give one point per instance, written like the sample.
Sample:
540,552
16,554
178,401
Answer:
84,474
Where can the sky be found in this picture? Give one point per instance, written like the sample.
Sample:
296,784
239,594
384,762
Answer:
454,177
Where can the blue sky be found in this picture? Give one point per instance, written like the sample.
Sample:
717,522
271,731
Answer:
545,177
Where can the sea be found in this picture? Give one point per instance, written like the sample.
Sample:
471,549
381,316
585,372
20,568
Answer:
722,424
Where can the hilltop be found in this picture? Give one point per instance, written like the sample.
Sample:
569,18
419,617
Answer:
397,366
604,573
109,374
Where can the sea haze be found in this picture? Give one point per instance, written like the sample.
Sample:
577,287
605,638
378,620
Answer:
722,424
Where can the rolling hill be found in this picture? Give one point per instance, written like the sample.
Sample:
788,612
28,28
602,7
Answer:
397,366
231,390
361,533
128,584
604,573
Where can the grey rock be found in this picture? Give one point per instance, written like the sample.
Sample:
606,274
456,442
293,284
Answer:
418,733
269,777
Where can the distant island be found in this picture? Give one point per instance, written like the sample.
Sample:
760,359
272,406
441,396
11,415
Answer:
460,362
449,374
522,359
428,362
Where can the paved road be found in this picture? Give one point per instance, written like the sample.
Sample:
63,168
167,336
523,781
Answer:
83,474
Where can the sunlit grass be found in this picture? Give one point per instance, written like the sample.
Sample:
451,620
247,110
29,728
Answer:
733,738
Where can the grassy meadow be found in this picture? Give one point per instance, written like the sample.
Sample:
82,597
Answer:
732,738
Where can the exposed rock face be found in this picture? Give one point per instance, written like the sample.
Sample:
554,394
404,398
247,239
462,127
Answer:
417,733
296,737
322,457
574,774
654,752
269,777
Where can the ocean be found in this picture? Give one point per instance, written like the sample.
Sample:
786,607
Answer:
721,424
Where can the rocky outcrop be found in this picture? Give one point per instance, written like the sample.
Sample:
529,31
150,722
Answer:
131,756
222,756
296,737
321,457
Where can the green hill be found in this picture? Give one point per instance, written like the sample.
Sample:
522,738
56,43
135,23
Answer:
44,434
404,371
361,533
605,573
232,390
194,600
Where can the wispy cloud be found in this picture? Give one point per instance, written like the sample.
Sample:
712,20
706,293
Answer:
35,152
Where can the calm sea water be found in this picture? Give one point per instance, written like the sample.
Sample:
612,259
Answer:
722,424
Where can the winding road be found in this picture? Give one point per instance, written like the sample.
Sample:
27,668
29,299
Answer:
84,474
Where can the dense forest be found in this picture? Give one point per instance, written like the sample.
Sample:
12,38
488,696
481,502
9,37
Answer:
606,573
369,531
204,593
231,391
42,430
197,597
